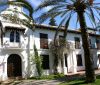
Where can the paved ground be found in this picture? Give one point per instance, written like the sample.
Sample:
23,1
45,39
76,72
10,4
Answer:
33,82
40,82
47,82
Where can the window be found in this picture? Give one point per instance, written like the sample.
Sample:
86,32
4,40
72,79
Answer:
79,60
45,61
77,43
98,43
99,58
65,60
17,37
43,41
89,41
14,36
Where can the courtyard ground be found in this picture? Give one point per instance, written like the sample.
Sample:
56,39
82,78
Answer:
70,79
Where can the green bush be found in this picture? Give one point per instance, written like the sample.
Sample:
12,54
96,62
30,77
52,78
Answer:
38,62
48,77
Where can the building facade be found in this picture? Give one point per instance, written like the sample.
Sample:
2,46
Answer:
17,40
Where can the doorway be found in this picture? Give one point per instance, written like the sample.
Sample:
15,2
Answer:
14,66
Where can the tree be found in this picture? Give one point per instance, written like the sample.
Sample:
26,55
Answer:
1,33
38,61
58,51
24,4
52,21
66,9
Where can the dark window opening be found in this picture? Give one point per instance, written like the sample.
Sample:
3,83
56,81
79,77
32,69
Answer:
12,36
45,61
66,60
43,41
98,43
89,41
79,60
77,43
17,37
99,58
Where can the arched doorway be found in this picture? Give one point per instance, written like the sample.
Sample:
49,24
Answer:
14,66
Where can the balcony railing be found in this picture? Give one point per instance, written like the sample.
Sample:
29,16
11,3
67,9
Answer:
13,45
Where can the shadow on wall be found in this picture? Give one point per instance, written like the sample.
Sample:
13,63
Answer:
29,72
2,70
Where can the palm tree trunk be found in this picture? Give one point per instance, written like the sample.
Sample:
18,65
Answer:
1,38
1,33
55,63
89,69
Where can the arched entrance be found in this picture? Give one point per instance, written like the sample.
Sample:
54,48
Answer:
14,66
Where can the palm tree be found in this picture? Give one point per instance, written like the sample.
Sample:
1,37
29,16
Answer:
66,9
52,22
1,33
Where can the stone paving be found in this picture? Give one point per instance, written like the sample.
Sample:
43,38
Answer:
33,82
40,82
47,82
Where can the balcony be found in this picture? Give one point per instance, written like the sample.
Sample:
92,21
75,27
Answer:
13,46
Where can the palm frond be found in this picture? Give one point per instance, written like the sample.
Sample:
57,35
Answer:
64,13
23,3
20,13
92,15
44,16
77,21
89,16
46,3
65,21
60,25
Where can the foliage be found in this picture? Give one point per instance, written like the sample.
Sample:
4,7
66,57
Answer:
79,8
58,48
15,19
67,11
38,61
59,45
81,82
23,3
52,22
48,77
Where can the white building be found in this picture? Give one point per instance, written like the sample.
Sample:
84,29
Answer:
16,46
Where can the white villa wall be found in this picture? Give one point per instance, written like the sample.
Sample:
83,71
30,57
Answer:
31,37
72,61
72,64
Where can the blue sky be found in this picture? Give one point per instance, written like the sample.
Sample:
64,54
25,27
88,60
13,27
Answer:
35,3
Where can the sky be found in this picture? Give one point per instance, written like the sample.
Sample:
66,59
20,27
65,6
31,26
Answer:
35,3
